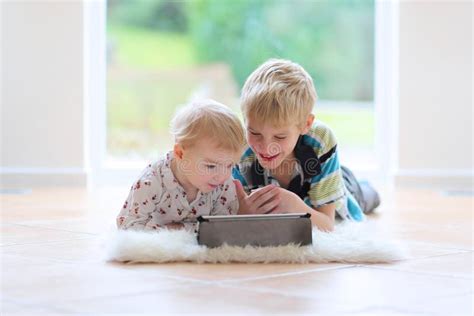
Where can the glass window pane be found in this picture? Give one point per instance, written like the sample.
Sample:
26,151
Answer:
163,53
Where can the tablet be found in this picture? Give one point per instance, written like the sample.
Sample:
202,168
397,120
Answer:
255,230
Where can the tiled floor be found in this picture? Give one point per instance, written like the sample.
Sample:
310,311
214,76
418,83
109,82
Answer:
51,263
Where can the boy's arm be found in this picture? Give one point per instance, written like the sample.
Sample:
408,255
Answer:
327,187
323,217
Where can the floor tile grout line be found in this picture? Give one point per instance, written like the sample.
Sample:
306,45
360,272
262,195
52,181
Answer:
43,242
262,290
131,294
345,266
271,276
37,305
48,259
461,252
173,277
229,281
419,273
186,279
55,229
437,245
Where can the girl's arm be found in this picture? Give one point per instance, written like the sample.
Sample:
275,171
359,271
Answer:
136,213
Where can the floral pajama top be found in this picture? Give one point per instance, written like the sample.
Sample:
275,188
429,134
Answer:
157,199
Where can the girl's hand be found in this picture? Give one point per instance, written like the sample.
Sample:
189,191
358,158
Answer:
260,201
174,226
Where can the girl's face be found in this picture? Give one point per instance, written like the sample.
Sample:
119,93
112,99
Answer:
204,165
274,145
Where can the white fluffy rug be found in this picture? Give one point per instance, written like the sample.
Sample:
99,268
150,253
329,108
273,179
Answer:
348,243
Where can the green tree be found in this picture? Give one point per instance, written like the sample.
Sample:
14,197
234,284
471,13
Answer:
332,40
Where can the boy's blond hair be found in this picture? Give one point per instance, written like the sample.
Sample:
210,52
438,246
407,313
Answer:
208,119
279,92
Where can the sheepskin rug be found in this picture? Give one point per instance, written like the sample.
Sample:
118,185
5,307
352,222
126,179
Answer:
348,243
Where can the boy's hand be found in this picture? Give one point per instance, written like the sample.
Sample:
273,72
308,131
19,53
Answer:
260,201
289,202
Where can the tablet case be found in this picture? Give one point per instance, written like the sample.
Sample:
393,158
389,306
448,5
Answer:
255,230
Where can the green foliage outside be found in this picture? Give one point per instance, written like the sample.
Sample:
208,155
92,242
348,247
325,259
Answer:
332,40
156,46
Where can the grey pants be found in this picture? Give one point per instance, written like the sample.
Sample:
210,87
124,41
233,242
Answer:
362,191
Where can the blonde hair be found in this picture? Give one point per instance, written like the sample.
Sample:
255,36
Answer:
278,91
208,119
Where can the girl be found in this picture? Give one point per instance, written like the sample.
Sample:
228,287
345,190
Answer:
194,178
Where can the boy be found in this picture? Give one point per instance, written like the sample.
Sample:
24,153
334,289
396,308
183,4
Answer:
192,180
291,164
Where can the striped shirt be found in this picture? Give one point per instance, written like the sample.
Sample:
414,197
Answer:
316,177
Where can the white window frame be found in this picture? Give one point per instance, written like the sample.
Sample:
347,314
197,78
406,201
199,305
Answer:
385,97
386,89
95,85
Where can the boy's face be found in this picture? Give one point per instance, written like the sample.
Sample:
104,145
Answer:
272,145
205,165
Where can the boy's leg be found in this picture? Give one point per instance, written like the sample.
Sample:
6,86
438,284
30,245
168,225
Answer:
371,197
362,192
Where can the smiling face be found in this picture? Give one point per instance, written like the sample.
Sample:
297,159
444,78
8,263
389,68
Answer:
274,145
204,166
271,145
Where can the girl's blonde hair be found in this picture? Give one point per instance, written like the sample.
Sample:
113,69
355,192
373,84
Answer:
208,119
278,92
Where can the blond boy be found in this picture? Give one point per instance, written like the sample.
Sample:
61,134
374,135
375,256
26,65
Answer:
291,164
194,178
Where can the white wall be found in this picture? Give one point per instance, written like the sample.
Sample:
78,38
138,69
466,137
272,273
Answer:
435,139
42,93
